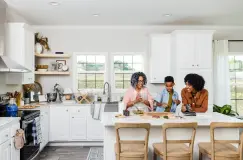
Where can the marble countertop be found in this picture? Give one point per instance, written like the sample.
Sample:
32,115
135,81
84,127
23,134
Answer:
203,119
7,120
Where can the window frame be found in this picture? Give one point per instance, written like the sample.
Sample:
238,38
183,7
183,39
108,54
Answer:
112,71
74,61
235,54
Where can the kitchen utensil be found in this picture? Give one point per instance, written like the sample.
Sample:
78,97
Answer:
51,97
126,113
27,101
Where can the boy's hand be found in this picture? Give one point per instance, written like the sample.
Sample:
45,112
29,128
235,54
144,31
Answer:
164,105
177,101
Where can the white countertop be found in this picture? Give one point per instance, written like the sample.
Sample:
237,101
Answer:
203,119
7,120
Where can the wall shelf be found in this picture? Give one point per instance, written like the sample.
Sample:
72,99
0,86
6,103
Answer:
52,73
52,55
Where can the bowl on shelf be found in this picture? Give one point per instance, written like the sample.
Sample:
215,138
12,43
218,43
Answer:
38,66
42,70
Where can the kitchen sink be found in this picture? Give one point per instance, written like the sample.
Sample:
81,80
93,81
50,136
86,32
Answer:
111,106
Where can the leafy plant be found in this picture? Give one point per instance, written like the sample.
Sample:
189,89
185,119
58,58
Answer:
226,109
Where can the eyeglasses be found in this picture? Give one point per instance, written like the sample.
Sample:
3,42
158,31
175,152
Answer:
140,81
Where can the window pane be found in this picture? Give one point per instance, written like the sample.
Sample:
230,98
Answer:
127,84
118,59
127,67
137,59
100,59
127,77
239,77
137,67
90,59
232,90
239,92
81,59
81,81
91,67
81,84
118,67
118,77
238,62
119,84
239,104
100,67
100,77
127,59
233,105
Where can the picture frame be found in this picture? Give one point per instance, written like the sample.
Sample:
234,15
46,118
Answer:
60,64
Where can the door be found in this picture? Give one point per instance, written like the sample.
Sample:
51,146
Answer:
15,153
204,54
44,128
59,123
185,50
78,126
160,47
5,150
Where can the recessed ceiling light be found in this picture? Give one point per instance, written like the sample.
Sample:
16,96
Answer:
54,3
96,15
167,15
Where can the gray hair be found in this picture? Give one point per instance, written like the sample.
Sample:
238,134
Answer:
135,77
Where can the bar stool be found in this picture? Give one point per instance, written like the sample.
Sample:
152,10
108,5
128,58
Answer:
222,149
132,149
175,149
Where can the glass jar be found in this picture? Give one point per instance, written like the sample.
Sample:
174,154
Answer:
12,108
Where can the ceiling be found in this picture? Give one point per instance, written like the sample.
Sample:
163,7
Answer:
130,12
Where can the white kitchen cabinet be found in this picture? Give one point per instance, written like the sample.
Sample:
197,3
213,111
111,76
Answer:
1,45
59,123
5,150
44,122
194,49
95,129
160,49
78,125
20,44
15,153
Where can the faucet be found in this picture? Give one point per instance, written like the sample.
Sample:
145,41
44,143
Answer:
109,91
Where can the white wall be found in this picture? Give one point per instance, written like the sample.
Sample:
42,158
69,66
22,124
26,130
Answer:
95,40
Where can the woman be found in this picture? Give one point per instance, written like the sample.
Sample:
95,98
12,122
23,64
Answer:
194,94
138,96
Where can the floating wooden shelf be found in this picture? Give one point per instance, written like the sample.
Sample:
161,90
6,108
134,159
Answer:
53,55
52,73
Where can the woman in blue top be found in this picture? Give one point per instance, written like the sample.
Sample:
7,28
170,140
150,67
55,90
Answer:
168,99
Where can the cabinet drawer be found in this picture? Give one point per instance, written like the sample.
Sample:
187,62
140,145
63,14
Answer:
4,135
80,110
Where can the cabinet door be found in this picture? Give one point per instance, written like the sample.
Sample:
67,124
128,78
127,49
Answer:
44,122
1,45
59,123
160,46
204,55
15,153
185,50
78,127
5,150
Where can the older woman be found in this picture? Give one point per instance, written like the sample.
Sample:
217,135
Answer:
138,96
194,94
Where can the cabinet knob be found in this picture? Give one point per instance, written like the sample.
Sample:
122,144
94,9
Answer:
193,65
154,78
9,144
198,65
72,117
67,110
6,135
78,110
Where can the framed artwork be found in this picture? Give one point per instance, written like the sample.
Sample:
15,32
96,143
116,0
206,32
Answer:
60,64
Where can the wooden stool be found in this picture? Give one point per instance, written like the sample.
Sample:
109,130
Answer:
132,149
222,149
175,149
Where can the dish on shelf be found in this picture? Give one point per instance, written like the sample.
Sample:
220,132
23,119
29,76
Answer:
42,70
38,66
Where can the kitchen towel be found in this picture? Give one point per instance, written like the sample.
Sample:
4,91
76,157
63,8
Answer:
36,131
96,111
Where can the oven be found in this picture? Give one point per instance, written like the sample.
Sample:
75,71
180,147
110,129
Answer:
29,120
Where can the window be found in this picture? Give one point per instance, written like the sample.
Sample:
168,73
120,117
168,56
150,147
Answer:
90,71
124,66
236,82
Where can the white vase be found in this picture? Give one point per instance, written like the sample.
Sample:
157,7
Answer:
38,48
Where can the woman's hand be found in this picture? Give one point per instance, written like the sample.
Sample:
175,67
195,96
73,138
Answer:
177,101
183,108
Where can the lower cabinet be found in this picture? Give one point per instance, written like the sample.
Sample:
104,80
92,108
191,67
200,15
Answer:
15,153
44,122
69,123
5,150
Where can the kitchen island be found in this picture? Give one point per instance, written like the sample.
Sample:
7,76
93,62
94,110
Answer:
202,134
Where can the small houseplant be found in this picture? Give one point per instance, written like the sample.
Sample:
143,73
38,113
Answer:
225,109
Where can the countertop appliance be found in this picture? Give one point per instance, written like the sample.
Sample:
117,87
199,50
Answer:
30,151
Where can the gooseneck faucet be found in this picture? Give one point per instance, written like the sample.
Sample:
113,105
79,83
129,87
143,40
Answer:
109,91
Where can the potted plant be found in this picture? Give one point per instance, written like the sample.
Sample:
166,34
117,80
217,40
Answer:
41,43
225,109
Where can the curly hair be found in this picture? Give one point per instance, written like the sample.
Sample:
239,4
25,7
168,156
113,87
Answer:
196,81
135,77
169,79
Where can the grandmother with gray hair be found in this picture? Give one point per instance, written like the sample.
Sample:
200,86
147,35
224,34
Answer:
138,96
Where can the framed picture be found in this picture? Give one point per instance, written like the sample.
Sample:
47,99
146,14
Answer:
60,64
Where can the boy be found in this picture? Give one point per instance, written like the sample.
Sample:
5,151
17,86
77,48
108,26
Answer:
168,99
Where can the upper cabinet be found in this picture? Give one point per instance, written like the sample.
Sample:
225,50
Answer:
160,48
194,49
20,42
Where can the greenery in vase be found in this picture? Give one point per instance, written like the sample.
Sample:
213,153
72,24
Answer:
225,109
42,40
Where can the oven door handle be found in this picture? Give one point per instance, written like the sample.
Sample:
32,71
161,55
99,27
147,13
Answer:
27,122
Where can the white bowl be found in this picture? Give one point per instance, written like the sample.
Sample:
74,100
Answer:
42,70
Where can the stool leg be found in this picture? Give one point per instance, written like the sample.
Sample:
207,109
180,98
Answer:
200,155
155,156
